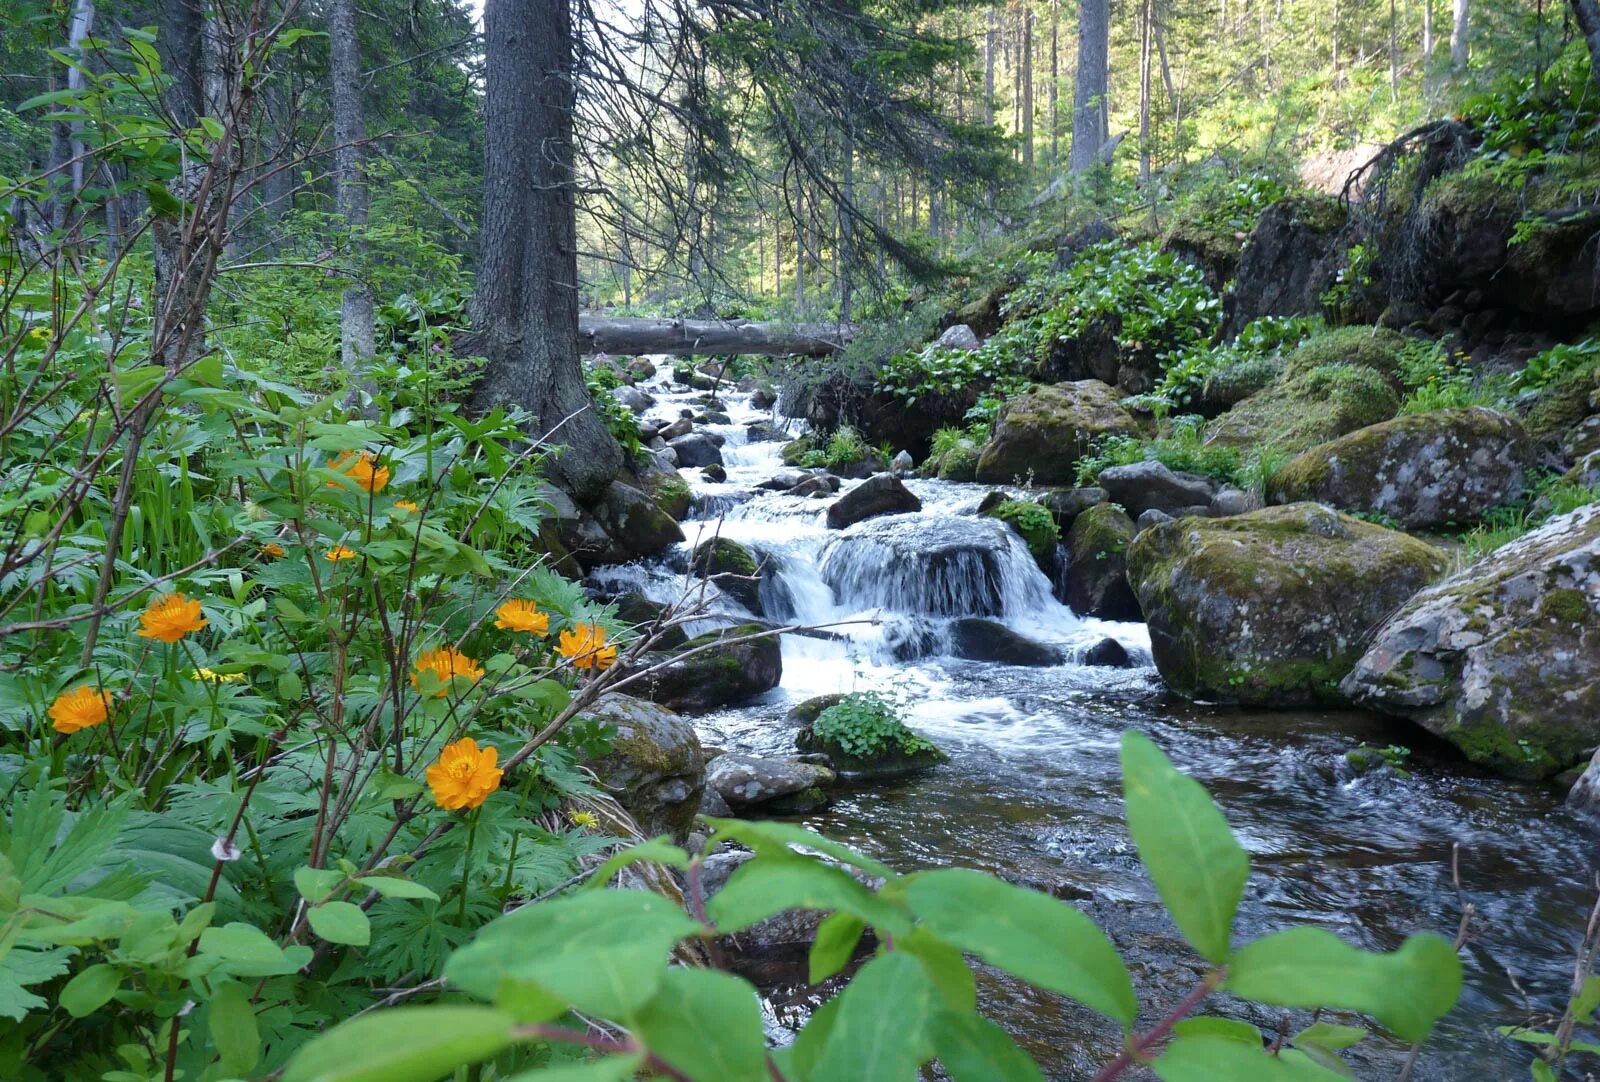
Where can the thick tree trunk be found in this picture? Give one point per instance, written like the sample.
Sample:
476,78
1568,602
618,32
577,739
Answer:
1055,84
1027,88
707,337
1145,33
356,346
1587,15
988,68
1460,37
525,309
1089,115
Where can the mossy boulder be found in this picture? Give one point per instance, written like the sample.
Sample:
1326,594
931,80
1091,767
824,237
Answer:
1289,262
1032,521
1097,553
1042,434
1424,470
655,767
807,712
715,671
1271,608
891,762
1332,384
640,613
1564,404
669,491
732,567
1502,658
756,785
1237,381
958,463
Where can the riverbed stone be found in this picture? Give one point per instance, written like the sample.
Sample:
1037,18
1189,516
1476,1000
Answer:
1424,470
1502,658
641,614
1066,504
655,766
1108,653
806,712
1097,580
732,567
958,336
723,675
887,763
696,449
754,784
1041,434
880,495
1271,608
632,397
1145,486
632,525
977,639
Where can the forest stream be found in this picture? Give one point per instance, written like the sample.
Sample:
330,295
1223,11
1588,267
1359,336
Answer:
1032,791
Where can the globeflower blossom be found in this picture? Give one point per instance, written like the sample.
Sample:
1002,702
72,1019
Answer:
81,708
445,663
170,617
522,616
340,552
465,775
585,646
363,469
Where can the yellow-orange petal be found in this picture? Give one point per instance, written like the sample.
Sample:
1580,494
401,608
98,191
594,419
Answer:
170,617
81,708
464,775
522,616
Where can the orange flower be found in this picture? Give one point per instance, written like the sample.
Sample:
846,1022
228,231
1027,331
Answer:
445,663
363,470
525,616
406,505
81,708
171,617
340,552
273,550
585,645
464,776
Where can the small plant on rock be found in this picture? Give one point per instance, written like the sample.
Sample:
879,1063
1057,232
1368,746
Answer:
866,726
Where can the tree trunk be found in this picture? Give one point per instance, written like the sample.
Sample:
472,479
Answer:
1089,120
1145,20
988,69
1027,87
1427,47
847,246
707,337
525,308
356,347
1394,53
1587,15
1055,84
1460,33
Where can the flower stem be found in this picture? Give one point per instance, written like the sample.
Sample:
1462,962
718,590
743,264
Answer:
1139,1047
466,866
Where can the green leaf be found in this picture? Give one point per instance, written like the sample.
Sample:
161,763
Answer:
1227,1028
392,887
946,967
1542,1071
341,922
610,1069
402,1044
234,1033
1407,990
246,951
134,383
974,1049
1329,1036
764,837
1587,999
779,881
90,990
212,126
604,953
1031,935
835,945
656,850
1220,1059
706,1024
1545,1040
1186,846
316,884
882,1031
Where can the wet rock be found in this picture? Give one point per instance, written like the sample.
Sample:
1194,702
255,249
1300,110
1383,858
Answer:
992,499
725,674
640,369
1066,504
669,490
894,762
754,785
1291,259
1271,608
880,495
640,613
977,639
715,473
632,397
681,427
732,567
1097,581
655,766
1145,486
632,526
712,417
816,486
1502,658
861,468
902,463
958,336
1041,435
763,398
762,432
1425,470
807,712
785,479
712,803
1108,654
696,449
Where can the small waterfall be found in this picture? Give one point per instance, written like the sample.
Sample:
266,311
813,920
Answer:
934,565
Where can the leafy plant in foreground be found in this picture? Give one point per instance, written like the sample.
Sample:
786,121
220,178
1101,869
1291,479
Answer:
547,974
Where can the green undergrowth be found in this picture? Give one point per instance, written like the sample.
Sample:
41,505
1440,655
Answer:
1550,498
866,726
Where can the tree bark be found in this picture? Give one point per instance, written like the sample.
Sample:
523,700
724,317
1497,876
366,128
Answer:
707,337
356,346
1055,84
1089,107
988,69
525,308
1586,13
1460,35
1145,33
1027,87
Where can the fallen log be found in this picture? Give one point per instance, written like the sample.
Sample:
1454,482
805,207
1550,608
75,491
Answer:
707,337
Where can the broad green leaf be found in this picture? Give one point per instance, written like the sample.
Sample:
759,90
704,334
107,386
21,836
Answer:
1407,990
946,967
393,887
974,1049
340,437
1227,1028
134,383
798,1060
603,952
1587,999
234,1033
340,922
246,951
1030,935
1186,846
656,850
883,1031
775,882
402,1044
834,946
90,990
706,1024
610,1069
1220,1059
1542,1071
1545,1040
764,837
1329,1036
316,884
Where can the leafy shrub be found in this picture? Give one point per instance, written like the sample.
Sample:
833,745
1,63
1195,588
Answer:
866,726
1183,447
1435,380
1262,341
1556,364
620,421
844,447
1034,522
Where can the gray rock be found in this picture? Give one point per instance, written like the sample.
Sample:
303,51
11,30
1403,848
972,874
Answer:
655,766
723,675
1108,654
762,432
1234,501
1151,518
749,783
1586,472
1066,504
1145,486
959,336
977,639
880,495
681,427
1582,440
1041,434
715,473
1097,580
805,713
1502,658
785,479
632,525
696,449
636,400
815,486
902,463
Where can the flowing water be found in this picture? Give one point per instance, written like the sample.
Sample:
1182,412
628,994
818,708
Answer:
1032,791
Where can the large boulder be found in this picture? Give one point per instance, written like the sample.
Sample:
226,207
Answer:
977,639
655,766
752,784
1291,259
712,672
1066,504
696,449
1042,434
1097,580
1502,658
1145,485
1271,608
1425,470
880,495
732,567
623,525
958,336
